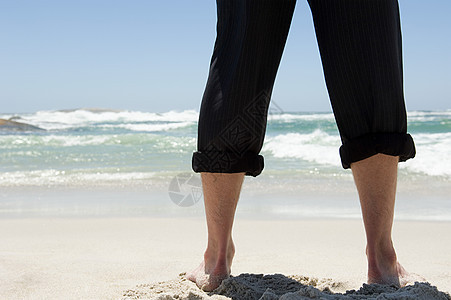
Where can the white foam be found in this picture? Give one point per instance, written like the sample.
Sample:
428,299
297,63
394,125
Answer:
433,155
287,117
425,116
160,142
433,150
52,120
416,113
55,177
13,142
317,146
149,127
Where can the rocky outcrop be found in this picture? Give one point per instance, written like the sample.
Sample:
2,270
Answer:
10,125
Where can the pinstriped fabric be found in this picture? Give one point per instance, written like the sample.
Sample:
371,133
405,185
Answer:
360,46
251,36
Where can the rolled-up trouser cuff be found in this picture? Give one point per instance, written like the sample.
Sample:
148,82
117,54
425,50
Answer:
227,162
394,144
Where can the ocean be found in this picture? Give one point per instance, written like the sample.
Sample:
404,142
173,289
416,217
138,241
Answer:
93,150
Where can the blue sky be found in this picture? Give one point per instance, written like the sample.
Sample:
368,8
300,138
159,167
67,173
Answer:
154,55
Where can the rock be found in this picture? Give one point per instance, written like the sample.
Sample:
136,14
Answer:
9,125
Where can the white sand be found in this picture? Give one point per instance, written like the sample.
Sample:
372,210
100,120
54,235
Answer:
107,258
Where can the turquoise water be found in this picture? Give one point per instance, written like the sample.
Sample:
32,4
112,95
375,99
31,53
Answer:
101,148
84,147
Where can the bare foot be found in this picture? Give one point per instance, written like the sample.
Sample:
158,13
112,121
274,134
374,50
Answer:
390,275
406,278
212,271
206,281
402,278
384,268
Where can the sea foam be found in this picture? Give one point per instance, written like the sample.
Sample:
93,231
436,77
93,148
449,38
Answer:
90,141
54,120
317,146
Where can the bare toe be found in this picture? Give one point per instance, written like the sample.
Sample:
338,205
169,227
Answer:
192,276
207,281
212,282
406,278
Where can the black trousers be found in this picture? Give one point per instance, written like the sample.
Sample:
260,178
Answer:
360,47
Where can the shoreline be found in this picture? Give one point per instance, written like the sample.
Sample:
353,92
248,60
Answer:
260,199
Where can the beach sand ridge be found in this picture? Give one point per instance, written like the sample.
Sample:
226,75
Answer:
279,286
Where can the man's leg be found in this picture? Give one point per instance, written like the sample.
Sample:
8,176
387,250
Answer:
251,36
360,45
221,193
375,178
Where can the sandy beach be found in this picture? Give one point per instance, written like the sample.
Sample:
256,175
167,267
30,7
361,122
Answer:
91,209
127,258
109,108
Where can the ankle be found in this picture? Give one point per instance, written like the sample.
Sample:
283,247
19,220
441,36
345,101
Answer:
382,264
220,253
381,252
